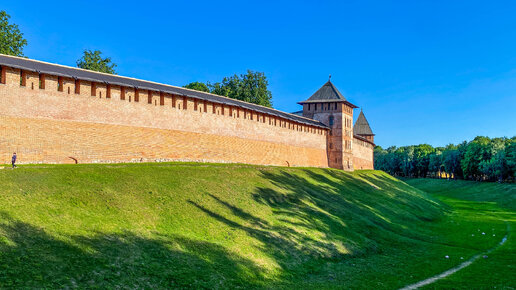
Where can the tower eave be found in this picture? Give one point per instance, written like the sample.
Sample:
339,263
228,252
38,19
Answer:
328,101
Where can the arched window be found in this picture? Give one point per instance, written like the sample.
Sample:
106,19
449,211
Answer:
331,121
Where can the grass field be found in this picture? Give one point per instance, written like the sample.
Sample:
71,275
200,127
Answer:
493,206
236,226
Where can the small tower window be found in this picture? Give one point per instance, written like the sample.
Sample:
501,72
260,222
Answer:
331,121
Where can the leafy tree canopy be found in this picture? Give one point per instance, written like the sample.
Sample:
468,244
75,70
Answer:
480,159
251,87
93,60
198,86
11,39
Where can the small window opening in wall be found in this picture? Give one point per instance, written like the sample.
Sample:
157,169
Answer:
23,78
149,97
100,95
335,106
129,98
42,81
59,84
136,95
32,86
331,121
315,107
77,86
108,91
155,103
161,99
93,89
68,90
122,93
173,101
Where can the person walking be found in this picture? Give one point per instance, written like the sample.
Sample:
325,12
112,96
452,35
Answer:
13,160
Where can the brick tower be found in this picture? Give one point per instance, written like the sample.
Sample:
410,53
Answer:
329,107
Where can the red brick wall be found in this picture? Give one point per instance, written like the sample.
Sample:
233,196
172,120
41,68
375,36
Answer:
362,154
48,126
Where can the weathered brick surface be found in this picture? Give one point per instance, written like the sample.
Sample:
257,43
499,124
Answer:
339,141
50,119
52,124
55,141
362,154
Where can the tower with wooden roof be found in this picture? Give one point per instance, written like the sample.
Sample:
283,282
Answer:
362,128
331,108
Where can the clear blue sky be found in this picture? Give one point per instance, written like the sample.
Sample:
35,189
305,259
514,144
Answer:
432,72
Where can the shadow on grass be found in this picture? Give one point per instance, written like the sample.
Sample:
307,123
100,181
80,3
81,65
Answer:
321,216
325,217
31,258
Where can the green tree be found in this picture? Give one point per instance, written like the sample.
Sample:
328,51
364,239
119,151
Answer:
406,155
422,159
251,87
11,39
510,155
451,161
93,60
198,86
435,164
477,151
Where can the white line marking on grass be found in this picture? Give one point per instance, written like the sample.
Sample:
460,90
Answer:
453,270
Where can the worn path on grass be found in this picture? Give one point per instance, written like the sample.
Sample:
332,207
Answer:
489,204
457,268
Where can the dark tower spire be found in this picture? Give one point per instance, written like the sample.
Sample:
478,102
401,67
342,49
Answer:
362,128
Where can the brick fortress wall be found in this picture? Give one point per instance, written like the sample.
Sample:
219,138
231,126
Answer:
362,154
48,119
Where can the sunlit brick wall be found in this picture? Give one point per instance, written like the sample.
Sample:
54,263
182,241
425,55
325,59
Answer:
362,154
54,123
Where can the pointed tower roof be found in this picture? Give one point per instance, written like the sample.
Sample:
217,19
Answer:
361,126
328,93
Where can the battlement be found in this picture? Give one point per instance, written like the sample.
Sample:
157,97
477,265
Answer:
57,114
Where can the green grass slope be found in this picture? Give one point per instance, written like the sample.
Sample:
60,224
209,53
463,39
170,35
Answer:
503,194
483,212
221,226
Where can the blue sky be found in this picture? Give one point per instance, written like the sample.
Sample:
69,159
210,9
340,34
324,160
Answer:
434,72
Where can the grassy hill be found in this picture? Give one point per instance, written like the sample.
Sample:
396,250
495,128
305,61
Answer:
493,207
222,226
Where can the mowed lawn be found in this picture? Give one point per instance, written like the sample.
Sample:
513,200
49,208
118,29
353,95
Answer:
493,205
187,225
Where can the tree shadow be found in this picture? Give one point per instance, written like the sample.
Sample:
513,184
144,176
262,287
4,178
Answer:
32,258
313,211
320,217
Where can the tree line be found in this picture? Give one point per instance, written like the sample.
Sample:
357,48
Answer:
481,159
251,87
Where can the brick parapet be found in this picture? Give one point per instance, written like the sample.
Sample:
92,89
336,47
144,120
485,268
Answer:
60,101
